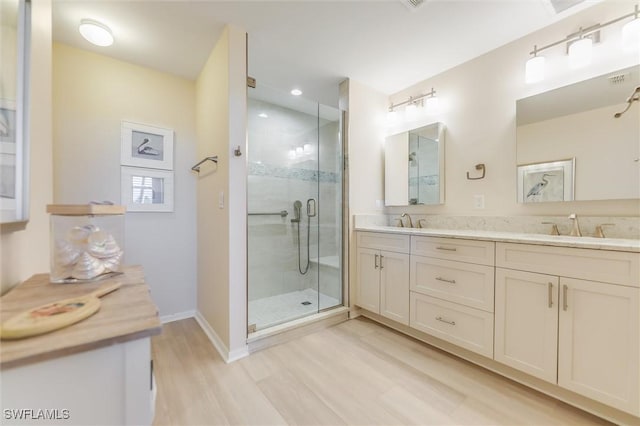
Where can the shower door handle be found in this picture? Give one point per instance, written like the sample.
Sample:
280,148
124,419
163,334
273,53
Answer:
311,211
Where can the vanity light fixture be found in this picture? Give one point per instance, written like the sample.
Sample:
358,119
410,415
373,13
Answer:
413,106
580,45
96,33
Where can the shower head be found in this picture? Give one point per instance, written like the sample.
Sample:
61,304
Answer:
297,207
635,97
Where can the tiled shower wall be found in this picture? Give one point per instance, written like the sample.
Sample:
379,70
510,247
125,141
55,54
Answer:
275,181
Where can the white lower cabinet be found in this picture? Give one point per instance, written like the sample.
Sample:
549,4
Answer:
383,276
582,335
599,342
526,332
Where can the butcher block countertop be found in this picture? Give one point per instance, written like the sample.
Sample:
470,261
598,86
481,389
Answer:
126,314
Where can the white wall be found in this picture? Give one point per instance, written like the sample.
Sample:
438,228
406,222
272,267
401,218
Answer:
92,95
25,247
478,108
221,105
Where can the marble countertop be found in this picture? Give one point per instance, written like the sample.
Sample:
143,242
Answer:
614,244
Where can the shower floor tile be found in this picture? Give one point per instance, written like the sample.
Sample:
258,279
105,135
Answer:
274,310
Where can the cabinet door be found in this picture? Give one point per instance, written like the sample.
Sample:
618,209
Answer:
368,280
599,342
526,322
394,286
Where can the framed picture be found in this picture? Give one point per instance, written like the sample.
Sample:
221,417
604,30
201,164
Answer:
8,128
8,187
146,146
544,182
147,190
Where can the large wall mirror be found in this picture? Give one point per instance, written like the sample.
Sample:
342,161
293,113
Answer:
414,167
14,170
574,143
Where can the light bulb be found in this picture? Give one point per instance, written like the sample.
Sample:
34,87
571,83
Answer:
534,70
411,112
580,53
307,148
432,104
299,151
631,35
96,33
291,154
392,117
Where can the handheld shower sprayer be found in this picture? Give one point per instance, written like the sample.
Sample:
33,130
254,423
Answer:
297,207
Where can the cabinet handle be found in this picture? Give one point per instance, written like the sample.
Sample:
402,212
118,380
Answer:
376,262
565,289
445,321
445,280
381,257
446,248
550,295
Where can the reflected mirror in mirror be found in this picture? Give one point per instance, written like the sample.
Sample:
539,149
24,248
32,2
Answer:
582,121
14,29
414,167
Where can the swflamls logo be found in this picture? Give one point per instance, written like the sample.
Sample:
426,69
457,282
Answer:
36,414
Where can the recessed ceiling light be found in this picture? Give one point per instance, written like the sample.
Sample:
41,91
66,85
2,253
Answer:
96,33
263,115
296,92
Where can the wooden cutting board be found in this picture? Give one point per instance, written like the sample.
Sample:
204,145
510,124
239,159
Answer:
53,316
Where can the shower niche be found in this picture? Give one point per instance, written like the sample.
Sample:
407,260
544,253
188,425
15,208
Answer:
294,186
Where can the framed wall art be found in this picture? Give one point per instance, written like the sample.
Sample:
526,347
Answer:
146,190
544,182
146,146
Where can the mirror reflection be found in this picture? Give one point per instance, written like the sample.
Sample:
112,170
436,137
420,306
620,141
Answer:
13,171
582,122
414,167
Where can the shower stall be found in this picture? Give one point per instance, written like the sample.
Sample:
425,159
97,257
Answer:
294,208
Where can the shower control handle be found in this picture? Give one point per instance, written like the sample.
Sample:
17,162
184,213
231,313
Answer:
311,207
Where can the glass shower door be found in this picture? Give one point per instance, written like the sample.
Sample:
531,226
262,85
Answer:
291,200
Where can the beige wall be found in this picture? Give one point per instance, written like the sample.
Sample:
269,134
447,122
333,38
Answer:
478,108
92,95
221,126
212,124
25,248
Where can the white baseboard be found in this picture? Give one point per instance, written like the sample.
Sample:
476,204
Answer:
227,356
177,317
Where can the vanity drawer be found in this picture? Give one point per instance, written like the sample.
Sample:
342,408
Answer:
614,267
466,327
382,241
472,251
464,283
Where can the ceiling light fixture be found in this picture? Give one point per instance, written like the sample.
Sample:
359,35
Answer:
263,115
580,45
96,33
296,92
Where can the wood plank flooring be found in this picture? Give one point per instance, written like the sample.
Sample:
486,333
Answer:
355,373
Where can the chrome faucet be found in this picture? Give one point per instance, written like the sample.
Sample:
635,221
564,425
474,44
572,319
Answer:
575,230
408,217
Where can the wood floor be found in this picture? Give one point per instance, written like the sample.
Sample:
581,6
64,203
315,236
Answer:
355,373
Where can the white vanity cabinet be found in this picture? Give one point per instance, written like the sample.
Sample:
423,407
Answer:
383,275
452,285
583,335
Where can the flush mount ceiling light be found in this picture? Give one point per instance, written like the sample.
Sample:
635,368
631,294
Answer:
580,45
263,115
96,33
296,92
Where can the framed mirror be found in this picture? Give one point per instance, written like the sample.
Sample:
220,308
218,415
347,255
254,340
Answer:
414,167
14,72
583,123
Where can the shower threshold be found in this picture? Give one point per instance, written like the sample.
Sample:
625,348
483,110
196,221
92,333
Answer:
282,308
